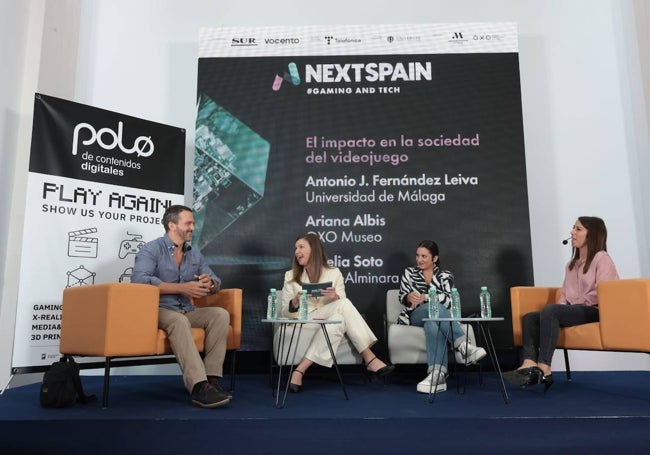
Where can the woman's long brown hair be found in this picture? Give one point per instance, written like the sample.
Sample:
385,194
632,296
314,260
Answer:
596,240
317,259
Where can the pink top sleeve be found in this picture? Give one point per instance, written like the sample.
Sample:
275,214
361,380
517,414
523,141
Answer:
580,288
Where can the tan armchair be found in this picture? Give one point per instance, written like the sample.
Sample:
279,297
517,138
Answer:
120,320
624,307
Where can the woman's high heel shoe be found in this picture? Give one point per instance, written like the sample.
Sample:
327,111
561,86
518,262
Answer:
541,378
295,388
529,376
383,371
547,381
524,376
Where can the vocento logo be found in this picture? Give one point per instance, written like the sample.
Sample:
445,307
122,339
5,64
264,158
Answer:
292,76
109,139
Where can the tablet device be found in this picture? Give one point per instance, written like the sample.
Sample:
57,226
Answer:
314,289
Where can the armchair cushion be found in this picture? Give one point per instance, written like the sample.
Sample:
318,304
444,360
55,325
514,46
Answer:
112,319
406,344
624,307
525,299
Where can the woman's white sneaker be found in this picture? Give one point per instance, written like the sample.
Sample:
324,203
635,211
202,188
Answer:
433,383
468,354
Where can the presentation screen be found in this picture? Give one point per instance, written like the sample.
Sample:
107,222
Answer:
373,137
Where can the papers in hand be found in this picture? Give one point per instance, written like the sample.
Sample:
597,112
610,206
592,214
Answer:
315,289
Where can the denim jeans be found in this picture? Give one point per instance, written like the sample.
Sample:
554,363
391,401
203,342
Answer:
431,332
540,329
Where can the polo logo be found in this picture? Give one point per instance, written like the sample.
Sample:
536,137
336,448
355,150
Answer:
108,139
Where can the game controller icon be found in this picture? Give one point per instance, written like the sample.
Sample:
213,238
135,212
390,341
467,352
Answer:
130,246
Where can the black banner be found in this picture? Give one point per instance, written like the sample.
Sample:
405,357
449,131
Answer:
86,143
99,183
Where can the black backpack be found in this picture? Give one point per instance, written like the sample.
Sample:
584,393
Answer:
61,385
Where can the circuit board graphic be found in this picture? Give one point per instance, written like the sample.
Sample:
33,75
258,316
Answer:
230,164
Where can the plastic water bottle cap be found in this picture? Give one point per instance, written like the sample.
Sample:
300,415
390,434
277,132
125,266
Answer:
483,288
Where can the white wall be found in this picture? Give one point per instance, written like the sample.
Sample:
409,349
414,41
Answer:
585,105
21,29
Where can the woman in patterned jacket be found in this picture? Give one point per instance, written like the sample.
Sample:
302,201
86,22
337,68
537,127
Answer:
413,292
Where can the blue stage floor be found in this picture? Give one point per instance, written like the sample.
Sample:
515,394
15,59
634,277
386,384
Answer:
595,413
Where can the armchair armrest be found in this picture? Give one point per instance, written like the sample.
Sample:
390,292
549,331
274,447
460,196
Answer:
111,319
624,307
524,299
231,301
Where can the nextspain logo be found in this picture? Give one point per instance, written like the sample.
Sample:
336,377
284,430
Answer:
292,77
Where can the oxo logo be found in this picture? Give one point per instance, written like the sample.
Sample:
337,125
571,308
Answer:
292,76
108,139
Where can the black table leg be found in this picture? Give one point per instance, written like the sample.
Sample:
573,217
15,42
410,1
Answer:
487,336
336,365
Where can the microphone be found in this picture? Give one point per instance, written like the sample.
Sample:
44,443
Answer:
566,241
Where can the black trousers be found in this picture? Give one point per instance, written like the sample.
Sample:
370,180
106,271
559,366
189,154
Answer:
540,329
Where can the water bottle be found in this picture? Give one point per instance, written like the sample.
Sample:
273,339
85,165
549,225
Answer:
455,303
433,303
303,309
486,308
272,304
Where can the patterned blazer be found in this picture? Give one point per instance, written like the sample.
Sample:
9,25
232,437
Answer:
413,280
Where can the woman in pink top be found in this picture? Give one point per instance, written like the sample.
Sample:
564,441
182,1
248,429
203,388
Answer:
589,265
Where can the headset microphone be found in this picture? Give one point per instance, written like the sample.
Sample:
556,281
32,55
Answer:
565,241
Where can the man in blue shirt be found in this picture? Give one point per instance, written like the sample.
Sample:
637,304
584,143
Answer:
181,273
